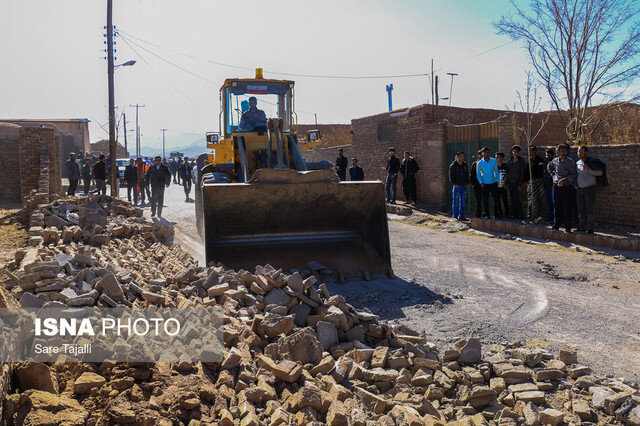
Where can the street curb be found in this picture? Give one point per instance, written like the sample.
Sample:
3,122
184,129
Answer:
533,231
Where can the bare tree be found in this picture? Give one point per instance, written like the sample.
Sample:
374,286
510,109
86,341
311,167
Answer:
581,50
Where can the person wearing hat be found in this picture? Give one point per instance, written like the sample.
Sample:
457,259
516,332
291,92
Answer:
515,181
159,178
565,175
341,165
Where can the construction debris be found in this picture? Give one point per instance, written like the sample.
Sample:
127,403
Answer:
295,354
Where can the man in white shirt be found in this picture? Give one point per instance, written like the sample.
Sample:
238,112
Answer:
586,190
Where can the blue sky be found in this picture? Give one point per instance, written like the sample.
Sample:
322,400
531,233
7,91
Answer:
52,49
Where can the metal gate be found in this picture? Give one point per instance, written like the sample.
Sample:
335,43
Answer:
469,138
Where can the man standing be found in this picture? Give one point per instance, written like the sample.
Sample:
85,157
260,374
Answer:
503,170
393,167
186,173
409,168
173,168
515,180
535,188
131,177
86,175
100,175
73,173
459,175
477,188
547,183
488,177
588,168
159,178
141,171
355,172
563,170
341,165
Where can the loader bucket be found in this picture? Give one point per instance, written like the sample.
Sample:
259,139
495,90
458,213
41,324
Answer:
287,218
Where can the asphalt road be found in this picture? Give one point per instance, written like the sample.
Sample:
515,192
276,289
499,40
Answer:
453,285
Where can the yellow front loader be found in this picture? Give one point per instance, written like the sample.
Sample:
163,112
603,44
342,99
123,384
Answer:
258,201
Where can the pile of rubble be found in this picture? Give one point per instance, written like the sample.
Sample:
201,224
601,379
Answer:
298,355
295,354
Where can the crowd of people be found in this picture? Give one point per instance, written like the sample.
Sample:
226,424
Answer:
566,185
144,178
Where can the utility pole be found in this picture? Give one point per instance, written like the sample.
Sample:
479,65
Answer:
389,90
136,106
124,121
112,113
437,81
163,131
432,94
315,116
452,74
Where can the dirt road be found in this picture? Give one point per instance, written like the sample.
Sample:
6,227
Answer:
458,285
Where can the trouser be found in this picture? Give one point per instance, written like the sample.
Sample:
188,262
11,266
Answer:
186,185
87,186
174,173
535,193
477,193
392,180
516,206
562,201
73,184
157,199
491,188
342,174
140,190
548,195
131,187
409,188
459,199
503,199
101,185
586,200
178,177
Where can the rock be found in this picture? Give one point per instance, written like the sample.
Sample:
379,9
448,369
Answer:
531,414
581,409
276,297
88,381
44,408
287,371
612,402
154,298
35,375
568,356
471,352
300,313
327,334
232,359
273,325
598,395
28,300
110,285
302,346
338,414
551,417
100,239
535,397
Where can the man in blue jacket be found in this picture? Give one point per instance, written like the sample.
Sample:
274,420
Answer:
487,173
355,172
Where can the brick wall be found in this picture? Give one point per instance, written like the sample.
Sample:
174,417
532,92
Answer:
9,168
412,133
332,134
102,147
33,144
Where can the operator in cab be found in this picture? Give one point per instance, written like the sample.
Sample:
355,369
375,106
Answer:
253,117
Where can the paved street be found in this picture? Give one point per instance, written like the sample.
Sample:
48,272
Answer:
454,285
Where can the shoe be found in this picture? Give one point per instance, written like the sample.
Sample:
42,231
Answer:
555,228
568,230
153,214
463,219
590,231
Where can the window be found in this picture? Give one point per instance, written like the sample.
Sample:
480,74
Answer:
387,131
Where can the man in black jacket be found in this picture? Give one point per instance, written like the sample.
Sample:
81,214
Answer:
159,178
355,172
409,168
459,175
393,167
477,188
100,175
535,189
185,173
341,165
131,177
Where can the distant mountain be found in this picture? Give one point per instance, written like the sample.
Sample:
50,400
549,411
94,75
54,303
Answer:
191,150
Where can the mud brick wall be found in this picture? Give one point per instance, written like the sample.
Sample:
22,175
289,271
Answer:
407,130
9,169
33,143
332,134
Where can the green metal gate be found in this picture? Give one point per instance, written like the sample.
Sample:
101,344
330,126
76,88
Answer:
469,138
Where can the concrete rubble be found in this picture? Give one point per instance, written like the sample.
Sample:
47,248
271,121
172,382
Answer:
295,354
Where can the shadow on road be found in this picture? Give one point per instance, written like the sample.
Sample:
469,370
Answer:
387,297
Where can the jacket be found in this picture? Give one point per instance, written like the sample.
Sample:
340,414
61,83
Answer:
73,170
473,174
393,165
86,171
342,163
130,174
100,170
597,164
158,176
409,168
356,173
141,170
516,171
537,170
459,173
185,171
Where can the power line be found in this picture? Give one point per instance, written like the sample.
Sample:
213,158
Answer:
493,48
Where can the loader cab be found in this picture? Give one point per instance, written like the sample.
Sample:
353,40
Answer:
248,103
